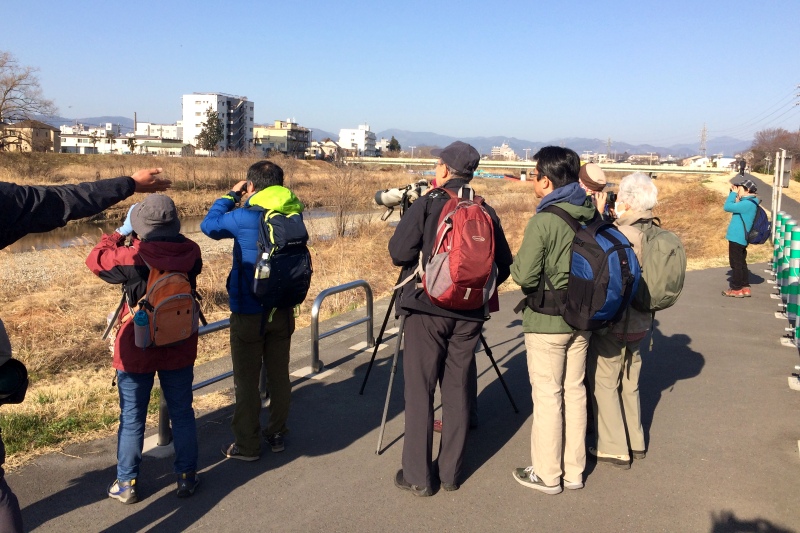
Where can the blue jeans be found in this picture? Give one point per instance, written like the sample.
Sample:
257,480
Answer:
134,395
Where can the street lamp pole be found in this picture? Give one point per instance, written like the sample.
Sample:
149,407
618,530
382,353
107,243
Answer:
527,150
412,151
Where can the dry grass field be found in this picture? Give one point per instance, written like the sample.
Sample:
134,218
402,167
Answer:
55,309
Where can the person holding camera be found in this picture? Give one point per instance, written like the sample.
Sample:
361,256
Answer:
743,204
592,179
257,334
614,359
439,343
37,209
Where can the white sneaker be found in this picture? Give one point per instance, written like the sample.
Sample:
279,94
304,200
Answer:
794,382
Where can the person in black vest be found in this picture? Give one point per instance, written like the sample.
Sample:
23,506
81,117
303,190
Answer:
26,209
439,343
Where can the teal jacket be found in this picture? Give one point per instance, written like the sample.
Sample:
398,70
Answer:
743,210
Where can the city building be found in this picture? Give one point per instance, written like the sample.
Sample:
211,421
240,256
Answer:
29,136
504,151
235,113
326,149
104,139
159,131
594,157
359,141
284,136
382,146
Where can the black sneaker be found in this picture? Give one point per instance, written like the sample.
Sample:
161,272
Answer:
527,478
187,483
276,442
232,452
401,483
450,487
124,491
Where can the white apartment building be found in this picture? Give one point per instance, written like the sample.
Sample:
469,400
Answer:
104,139
382,146
504,151
360,141
161,131
235,113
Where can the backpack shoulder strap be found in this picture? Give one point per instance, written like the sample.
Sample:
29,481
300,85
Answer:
566,217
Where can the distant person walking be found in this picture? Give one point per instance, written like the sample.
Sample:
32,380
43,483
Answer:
742,166
743,203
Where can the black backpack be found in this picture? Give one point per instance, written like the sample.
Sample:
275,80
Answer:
282,245
603,276
762,227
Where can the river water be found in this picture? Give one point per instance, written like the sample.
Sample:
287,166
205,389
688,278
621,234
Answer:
83,233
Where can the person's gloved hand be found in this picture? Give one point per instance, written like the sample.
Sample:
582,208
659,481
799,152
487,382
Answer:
126,228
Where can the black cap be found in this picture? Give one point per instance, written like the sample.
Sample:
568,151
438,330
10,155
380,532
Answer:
747,184
460,156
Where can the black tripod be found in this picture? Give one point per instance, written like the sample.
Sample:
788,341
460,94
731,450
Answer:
397,355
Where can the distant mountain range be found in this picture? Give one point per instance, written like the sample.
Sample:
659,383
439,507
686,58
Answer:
718,145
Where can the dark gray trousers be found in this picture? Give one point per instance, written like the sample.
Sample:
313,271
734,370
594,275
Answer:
436,349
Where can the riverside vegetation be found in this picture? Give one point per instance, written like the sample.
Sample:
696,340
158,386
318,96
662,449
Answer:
55,310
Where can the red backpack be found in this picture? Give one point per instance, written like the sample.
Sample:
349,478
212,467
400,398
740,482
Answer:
461,274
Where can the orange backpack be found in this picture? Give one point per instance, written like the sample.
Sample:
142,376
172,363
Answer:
172,309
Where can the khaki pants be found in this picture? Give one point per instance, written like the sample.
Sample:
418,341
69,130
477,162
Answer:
248,349
556,366
614,384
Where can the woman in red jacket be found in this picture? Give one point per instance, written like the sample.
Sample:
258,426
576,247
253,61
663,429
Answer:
155,242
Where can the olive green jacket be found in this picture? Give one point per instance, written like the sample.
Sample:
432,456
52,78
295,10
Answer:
547,244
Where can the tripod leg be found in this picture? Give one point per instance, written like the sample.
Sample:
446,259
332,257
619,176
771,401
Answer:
499,375
378,340
391,381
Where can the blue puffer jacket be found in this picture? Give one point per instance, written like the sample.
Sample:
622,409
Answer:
743,211
224,221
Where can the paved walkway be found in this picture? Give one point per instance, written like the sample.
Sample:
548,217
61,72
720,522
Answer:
721,424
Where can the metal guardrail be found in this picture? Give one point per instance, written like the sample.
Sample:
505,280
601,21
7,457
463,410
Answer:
164,430
316,364
530,164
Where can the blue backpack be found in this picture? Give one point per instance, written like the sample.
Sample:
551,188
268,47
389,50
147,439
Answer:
603,277
762,226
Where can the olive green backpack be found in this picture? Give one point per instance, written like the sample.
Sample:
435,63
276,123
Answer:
663,267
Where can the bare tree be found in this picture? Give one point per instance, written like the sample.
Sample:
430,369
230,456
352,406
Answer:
20,95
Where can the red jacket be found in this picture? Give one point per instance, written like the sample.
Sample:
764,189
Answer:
116,263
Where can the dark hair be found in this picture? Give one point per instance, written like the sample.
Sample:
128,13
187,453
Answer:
560,165
265,174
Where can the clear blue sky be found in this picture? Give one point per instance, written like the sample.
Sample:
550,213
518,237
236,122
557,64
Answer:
633,71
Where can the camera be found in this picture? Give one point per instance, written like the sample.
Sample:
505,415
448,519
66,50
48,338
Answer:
611,198
402,196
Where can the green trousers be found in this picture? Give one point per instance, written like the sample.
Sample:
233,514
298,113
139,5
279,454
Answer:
249,348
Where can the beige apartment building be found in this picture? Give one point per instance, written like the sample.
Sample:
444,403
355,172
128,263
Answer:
29,136
283,136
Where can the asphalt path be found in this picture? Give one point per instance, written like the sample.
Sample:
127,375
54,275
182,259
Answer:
720,421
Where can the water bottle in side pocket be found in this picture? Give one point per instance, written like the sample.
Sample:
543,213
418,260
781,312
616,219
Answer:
141,329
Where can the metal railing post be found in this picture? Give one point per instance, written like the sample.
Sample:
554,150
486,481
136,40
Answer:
164,430
316,364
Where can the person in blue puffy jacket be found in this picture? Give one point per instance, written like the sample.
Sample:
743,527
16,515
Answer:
743,203
250,343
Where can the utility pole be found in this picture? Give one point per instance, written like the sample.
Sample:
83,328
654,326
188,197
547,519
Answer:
526,150
412,151
703,139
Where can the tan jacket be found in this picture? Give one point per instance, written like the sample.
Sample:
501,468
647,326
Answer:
637,321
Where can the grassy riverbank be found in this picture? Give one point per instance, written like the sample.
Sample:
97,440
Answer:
55,309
